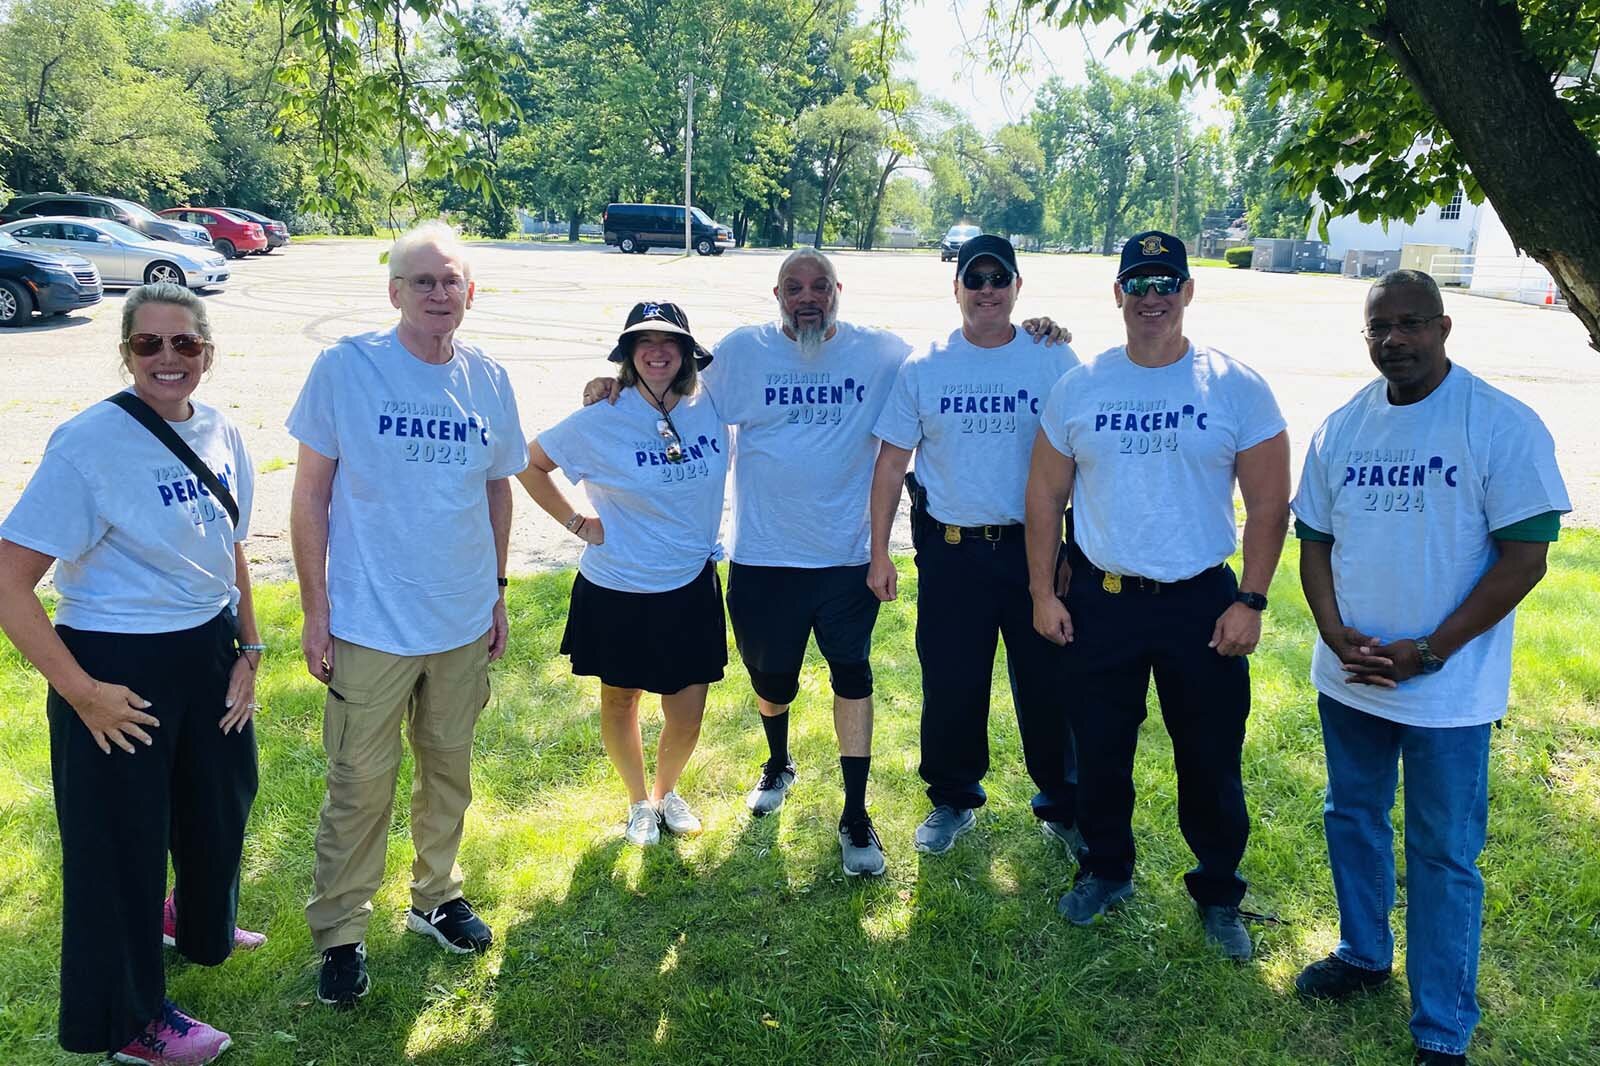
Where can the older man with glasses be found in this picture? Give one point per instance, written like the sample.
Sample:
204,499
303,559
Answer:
1146,439
968,408
407,437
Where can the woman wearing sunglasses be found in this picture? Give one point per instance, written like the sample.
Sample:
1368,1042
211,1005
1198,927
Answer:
151,665
646,608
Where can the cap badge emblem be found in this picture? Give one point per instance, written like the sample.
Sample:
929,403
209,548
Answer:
1151,245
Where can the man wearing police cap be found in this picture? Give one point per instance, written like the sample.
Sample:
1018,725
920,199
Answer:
969,407
1146,439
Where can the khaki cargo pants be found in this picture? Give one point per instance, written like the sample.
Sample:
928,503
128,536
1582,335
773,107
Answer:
439,698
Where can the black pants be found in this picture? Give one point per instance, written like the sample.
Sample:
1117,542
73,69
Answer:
969,595
189,792
1120,639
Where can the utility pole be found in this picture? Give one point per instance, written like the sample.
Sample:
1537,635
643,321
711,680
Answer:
1177,172
688,162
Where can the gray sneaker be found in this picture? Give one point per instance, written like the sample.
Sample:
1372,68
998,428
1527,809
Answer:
1225,929
939,831
1065,835
1091,897
768,794
861,848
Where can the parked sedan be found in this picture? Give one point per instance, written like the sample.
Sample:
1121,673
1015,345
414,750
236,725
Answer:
125,256
277,232
86,205
950,247
231,235
35,280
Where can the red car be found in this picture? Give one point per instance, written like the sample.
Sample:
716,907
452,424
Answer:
230,235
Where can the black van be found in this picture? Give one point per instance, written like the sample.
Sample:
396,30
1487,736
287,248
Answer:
640,227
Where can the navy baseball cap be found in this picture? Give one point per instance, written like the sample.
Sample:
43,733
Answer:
990,245
1154,248
661,317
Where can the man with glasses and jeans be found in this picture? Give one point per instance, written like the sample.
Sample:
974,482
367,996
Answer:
1146,440
400,521
968,408
1425,510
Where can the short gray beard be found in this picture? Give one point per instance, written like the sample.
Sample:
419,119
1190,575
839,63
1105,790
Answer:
810,340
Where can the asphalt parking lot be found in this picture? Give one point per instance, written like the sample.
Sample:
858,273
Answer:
551,312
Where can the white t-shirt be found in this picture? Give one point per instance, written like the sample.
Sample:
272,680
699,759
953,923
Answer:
1155,450
803,443
971,414
142,547
411,559
660,517
1410,495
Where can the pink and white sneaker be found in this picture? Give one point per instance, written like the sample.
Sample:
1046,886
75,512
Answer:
175,1039
243,939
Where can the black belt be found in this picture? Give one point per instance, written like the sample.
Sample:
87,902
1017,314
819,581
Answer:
992,534
1115,583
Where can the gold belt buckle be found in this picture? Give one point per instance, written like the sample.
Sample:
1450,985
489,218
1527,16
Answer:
991,533
1111,583
952,534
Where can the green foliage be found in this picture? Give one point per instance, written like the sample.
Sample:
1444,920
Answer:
1238,257
747,944
1356,131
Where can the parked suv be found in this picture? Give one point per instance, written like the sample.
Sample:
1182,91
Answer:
84,205
640,227
959,234
32,279
231,235
277,232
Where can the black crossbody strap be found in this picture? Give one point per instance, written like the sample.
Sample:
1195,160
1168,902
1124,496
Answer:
142,413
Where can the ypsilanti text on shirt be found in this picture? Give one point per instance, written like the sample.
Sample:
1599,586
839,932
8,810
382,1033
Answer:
431,432
812,397
986,408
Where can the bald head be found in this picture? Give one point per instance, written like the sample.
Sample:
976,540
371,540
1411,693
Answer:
1411,279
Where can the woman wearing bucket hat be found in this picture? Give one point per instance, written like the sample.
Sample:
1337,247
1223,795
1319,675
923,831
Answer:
646,608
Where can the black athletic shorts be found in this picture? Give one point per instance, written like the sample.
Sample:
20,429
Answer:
775,608
656,641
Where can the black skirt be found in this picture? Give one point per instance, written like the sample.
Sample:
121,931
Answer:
656,641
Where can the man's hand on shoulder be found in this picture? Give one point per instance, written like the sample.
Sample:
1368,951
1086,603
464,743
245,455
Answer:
601,389
1045,329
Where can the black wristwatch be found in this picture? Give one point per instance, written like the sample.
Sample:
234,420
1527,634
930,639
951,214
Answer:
1253,600
1431,663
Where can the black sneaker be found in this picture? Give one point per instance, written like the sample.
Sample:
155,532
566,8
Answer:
344,976
1091,897
1429,1057
1226,930
774,783
1333,978
453,925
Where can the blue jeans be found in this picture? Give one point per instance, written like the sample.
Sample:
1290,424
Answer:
1447,808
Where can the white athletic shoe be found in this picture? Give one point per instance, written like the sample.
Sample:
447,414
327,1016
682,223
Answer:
644,825
677,817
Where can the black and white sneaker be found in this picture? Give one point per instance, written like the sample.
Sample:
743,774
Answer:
860,848
768,794
453,925
344,976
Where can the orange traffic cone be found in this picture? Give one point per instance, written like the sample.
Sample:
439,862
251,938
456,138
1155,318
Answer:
1550,294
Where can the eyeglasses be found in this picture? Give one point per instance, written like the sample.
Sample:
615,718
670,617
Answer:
669,433
423,284
1406,327
188,345
1160,284
974,279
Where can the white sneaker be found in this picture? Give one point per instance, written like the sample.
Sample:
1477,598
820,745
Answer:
677,817
644,825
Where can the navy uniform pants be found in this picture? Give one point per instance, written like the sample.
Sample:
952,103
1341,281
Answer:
969,596
188,793
1121,639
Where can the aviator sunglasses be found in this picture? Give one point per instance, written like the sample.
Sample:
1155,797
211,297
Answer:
189,345
1160,284
974,279
669,433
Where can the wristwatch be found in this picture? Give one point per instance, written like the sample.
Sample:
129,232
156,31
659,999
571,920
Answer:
1431,663
1253,600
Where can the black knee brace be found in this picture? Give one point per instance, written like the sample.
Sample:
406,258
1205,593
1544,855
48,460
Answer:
851,681
778,688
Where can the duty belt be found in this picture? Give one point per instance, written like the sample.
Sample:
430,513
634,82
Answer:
993,534
1115,583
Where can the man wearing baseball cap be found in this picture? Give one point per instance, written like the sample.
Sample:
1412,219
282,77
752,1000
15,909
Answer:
1146,439
968,408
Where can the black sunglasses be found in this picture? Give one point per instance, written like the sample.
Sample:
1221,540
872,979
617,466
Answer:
974,279
1160,284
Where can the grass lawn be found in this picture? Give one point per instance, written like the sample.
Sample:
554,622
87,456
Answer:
749,946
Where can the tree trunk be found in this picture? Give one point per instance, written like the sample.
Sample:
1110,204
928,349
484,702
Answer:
574,220
1469,62
877,199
